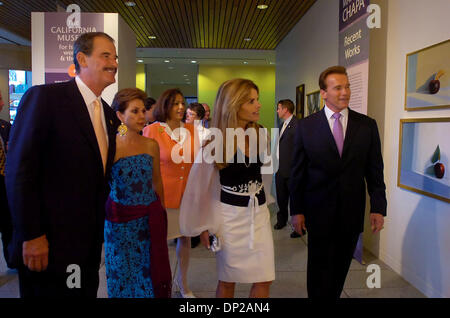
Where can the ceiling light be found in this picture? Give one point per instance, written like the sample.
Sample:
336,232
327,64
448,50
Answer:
193,62
245,62
140,61
171,67
185,75
272,63
166,61
130,3
247,39
262,6
152,37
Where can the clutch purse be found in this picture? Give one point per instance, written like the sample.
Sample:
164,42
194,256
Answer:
214,243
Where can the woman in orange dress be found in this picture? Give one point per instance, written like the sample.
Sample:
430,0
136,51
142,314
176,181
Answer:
176,144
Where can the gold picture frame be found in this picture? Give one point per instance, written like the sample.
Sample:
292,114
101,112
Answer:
423,145
427,82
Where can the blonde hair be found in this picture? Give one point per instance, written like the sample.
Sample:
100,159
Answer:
231,96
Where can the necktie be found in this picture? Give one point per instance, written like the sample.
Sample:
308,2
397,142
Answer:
2,159
283,128
100,133
338,133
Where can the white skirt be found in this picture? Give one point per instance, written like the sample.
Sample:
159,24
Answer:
236,262
173,224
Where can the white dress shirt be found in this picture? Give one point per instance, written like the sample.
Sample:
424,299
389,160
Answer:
343,119
89,98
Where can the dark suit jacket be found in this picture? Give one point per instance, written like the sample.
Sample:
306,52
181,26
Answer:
286,144
329,190
54,174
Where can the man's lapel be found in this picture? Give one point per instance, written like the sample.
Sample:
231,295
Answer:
352,128
111,129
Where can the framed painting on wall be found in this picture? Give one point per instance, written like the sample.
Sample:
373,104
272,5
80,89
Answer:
300,101
428,78
424,157
314,103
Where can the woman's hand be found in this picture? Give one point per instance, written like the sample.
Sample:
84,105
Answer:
204,238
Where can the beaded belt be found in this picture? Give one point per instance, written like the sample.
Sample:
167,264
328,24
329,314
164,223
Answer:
253,203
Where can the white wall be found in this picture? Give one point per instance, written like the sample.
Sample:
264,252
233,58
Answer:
416,238
309,48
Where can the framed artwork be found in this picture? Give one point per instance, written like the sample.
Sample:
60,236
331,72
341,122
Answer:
428,78
314,103
424,157
300,101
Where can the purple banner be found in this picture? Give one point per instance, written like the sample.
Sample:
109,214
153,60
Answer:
351,10
59,39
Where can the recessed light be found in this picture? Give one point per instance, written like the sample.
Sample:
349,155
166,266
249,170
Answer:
140,61
166,61
245,62
247,39
193,62
262,6
152,37
185,75
130,3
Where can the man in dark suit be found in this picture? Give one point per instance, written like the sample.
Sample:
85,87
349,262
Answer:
5,217
285,110
61,149
337,151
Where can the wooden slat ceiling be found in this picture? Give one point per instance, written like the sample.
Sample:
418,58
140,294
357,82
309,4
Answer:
218,24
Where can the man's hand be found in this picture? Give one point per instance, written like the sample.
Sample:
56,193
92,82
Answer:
376,222
204,238
35,254
298,222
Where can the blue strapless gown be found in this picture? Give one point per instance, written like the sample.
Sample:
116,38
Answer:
127,245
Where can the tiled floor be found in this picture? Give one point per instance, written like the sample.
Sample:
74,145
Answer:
290,282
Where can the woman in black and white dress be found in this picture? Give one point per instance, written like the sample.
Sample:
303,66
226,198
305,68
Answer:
236,211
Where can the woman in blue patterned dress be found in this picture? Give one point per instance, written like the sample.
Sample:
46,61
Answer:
136,254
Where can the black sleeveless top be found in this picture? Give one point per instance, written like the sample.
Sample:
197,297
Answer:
237,176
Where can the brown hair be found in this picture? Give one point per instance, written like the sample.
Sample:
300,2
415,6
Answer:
165,103
287,103
231,96
122,97
198,108
149,102
85,44
331,70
